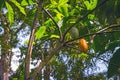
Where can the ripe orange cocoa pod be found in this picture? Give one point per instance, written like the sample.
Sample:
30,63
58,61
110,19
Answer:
83,45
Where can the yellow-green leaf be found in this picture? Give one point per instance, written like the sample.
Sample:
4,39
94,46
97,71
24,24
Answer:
91,4
19,6
54,36
30,2
24,3
10,13
62,2
39,34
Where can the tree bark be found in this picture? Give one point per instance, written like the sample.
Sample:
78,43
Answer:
6,51
5,65
31,40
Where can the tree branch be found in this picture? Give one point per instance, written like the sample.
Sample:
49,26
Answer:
104,29
31,40
99,32
82,18
57,26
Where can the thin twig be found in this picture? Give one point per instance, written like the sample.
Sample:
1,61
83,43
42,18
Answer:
82,18
60,32
21,27
108,27
91,35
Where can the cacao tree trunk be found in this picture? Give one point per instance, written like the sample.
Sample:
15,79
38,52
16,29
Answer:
6,53
5,66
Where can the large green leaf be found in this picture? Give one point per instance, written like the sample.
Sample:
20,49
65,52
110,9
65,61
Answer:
19,6
114,64
1,4
39,34
10,13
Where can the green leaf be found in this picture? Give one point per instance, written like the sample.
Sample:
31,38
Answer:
19,6
83,56
39,34
24,3
63,7
114,64
54,36
58,15
30,2
91,16
53,2
1,4
10,13
87,4
64,10
91,4
62,2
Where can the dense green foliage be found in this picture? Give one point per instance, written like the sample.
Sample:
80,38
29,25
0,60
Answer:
62,22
